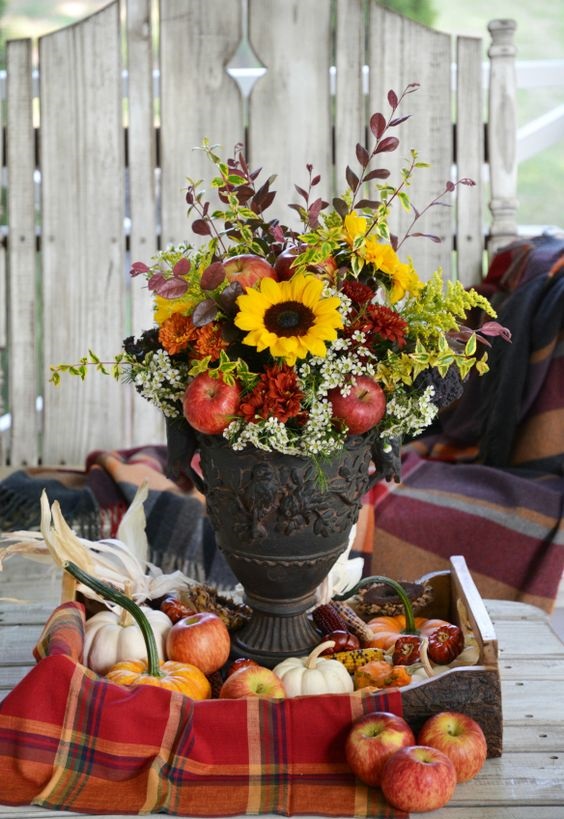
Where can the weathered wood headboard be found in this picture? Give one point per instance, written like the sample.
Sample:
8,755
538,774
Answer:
97,161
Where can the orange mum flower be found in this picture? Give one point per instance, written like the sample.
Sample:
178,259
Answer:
176,332
387,324
276,395
209,341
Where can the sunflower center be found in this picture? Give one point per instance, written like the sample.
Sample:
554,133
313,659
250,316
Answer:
289,318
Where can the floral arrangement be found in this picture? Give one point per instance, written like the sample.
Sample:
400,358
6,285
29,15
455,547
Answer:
291,339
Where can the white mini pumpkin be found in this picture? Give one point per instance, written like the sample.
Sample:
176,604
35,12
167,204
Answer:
111,637
314,674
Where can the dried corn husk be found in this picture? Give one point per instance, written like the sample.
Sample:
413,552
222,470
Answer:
111,560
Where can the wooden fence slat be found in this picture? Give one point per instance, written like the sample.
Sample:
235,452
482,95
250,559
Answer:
147,423
502,133
22,367
402,52
350,101
3,280
289,108
83,249
198,99
3,302
470,160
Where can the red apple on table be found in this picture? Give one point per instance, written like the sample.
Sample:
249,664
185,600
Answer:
362,407
253,681
372,740
247,269
460,738
418,778
201,639
209,403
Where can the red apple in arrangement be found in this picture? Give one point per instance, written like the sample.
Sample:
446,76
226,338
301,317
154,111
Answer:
210,404
201,639
238,664
284,261
460,738
418,778
372,739
247,269
362,408
283,265
252,681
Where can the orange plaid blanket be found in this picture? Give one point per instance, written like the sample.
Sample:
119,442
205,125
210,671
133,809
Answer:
71,740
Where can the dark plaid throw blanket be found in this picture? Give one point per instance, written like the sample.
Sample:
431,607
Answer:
94,500
71,740
490,484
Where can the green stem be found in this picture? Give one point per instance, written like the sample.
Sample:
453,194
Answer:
109,593
399,590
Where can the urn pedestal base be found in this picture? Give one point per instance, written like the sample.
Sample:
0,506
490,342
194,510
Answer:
276,630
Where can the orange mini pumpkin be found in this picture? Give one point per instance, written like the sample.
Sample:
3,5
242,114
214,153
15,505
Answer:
182,677
174,676
380,674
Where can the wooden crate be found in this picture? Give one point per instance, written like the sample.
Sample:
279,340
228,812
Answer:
474,690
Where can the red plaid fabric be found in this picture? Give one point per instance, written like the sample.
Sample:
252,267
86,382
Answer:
70,740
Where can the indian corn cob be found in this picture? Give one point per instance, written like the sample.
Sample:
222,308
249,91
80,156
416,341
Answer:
357,657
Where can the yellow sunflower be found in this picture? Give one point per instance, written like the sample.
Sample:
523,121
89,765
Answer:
290,318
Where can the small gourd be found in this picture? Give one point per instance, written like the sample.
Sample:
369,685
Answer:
171,675
387,629
314,674
110,637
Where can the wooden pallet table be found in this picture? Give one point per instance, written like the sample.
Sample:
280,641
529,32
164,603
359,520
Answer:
527,780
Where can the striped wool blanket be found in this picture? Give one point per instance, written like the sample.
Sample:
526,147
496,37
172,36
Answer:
71,740
490,484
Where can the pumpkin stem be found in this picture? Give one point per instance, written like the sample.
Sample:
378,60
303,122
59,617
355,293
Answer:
399,590
109,593
311,661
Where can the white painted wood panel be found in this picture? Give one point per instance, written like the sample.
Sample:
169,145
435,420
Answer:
83,250
198,99
350,100
289,108
502,133
22,322
470,159
403,52
3,281
147,423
